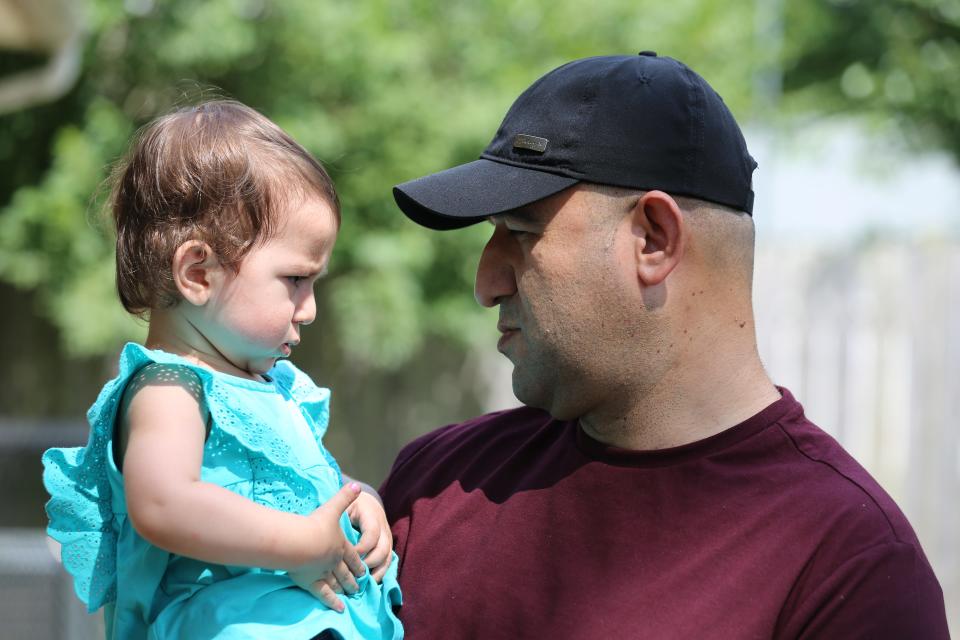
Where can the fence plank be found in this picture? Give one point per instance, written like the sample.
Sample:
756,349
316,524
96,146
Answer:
869,340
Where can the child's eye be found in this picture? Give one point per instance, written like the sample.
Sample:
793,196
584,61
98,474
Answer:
296,279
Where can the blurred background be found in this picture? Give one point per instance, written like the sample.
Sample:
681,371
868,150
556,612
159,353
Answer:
852,108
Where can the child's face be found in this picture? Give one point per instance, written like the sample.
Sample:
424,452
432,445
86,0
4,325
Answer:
254,318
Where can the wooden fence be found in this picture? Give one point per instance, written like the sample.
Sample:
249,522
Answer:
868,338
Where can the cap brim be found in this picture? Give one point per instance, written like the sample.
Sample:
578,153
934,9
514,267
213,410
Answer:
469,193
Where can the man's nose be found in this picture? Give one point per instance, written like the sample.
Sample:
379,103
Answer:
496,278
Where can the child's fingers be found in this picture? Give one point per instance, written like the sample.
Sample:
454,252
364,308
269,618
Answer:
326,595
367,542
352,559
345,579
332,582
342,499
381,570
379,556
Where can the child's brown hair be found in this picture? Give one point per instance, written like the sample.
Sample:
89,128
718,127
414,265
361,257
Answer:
217,172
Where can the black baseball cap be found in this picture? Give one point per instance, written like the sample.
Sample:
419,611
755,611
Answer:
643,122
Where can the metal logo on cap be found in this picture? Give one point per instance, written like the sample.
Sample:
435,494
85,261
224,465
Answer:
533,143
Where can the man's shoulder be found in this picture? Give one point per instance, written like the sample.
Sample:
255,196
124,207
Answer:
495,426
831,482
468,452
857,546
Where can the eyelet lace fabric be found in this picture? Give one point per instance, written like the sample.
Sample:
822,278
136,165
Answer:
264,443
81,519
81,509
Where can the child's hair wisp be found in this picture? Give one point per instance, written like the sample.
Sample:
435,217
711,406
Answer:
217,172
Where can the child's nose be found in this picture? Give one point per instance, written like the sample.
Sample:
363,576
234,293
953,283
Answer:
307,310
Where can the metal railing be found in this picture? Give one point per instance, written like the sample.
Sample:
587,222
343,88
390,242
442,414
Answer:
36,595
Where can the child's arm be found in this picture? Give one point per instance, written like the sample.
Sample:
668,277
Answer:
173,509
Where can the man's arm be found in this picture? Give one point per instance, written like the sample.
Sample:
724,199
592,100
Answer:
885,591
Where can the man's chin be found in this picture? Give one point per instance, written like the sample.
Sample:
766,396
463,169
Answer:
554,401
532,395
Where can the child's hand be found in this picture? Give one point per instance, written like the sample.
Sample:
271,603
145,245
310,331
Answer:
376,540
337,564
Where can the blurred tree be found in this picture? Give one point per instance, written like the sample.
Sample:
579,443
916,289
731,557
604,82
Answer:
896,59
380,91
383,91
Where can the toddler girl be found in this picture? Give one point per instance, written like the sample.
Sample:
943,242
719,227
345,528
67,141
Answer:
204,504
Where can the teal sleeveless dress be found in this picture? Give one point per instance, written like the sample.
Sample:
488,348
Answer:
258,448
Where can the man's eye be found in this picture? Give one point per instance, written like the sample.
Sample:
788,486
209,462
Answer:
518,233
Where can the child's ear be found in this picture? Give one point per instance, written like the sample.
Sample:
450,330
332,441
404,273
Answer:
196,271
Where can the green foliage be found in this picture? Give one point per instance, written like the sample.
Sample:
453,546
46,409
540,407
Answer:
383,91
380,91
53,240
898,60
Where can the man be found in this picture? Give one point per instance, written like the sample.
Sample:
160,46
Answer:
656,484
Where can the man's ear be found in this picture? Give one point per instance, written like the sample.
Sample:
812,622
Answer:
196,271
659,236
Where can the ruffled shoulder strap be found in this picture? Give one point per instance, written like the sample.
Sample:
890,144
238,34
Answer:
80,509
313,400
235,412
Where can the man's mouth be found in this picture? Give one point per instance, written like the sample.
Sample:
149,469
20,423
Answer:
507,332
504,327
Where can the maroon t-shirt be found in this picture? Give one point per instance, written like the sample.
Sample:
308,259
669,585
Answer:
514,525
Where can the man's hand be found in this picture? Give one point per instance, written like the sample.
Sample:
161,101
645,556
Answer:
337,564
376,540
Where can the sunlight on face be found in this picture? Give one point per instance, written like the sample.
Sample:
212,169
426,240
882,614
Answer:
552,273
256,317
